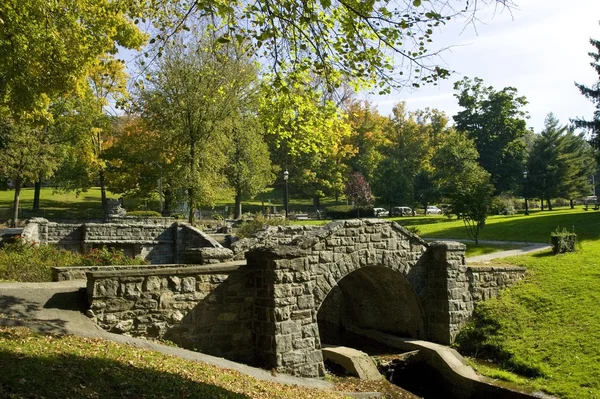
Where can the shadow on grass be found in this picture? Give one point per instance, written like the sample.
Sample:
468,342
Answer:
70,376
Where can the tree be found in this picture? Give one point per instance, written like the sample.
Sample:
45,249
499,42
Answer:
25,156
249,167
560,163
369,130
359,192
308,136
496,122
463,182
47,48
192,91
592,93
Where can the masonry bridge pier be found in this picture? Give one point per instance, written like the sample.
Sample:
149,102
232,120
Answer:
300,286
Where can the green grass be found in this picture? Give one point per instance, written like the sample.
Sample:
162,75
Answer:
62,366
484,249
533,228
545,328
36,366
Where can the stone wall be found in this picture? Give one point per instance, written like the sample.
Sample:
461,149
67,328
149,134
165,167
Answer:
205,308
156,242
266,311
486,282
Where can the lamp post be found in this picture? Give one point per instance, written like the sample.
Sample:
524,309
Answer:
286,175
160,198
526,203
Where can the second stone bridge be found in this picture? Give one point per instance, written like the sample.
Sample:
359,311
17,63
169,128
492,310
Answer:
297,288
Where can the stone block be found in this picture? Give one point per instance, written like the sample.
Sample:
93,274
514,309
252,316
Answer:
355,362
106,288
188,284
118,305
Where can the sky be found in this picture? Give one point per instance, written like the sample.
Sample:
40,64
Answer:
540,47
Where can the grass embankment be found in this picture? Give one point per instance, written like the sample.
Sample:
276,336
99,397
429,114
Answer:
51,366
545,329
533,228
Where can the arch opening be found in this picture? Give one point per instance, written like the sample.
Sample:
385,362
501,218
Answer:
372,297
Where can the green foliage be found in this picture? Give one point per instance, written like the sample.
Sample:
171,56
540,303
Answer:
193,91
560,163
362,44
107,256
251,226
152,214
47,48
496,122
27,262
563,240
463,182
504,205
593,94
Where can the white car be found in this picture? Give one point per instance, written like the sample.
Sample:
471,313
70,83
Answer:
433,210
380,212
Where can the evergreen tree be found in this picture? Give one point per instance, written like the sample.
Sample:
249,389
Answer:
592,93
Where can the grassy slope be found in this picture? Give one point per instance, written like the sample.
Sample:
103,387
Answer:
32,364
533,228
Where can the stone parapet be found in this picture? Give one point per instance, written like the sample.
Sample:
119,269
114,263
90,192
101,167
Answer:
486,282
208,308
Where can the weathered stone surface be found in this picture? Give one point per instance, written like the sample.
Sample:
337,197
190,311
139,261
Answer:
265,311
355,362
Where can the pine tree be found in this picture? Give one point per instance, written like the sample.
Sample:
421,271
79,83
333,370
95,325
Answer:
592,93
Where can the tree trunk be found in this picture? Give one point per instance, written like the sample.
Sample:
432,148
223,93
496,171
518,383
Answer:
337,198
572,203
36,195
168,202
316,202
191,206
237,211
15,218
102,188
542,203
549,203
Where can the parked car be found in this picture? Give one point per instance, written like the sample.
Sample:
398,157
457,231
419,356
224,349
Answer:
380,212
433,210
402,211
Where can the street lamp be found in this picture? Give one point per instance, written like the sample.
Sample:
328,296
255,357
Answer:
160,193
286,175
526,203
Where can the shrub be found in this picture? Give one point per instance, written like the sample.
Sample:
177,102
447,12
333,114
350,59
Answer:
21,261
347,212
178,216
504,205
107,256
150,214
249,227
26,262
563,241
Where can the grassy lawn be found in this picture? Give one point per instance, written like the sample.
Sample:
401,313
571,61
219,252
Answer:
484,249
546,328
58,366
533,228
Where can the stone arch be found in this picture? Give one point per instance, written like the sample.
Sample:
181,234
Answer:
371,297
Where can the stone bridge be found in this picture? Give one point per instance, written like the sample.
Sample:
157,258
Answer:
299,287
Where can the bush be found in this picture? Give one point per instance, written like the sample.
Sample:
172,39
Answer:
107,256
251,226
148,214
504,205
563,241
178,216
26,262
347,212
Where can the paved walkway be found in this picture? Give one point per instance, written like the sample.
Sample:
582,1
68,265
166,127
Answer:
58,307
527,248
